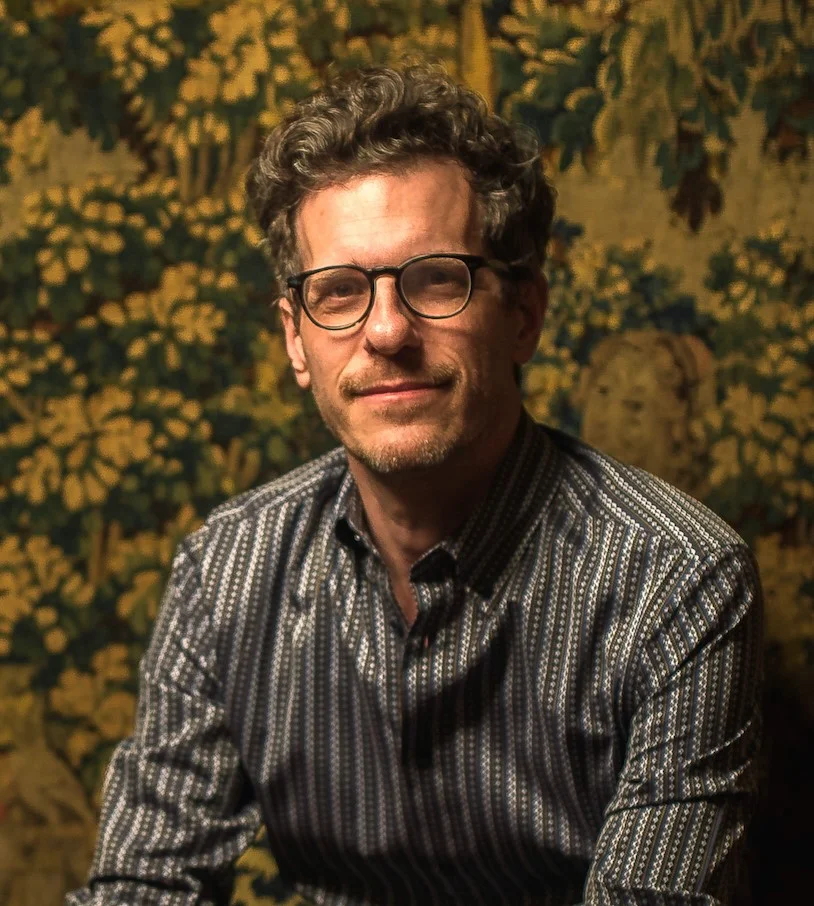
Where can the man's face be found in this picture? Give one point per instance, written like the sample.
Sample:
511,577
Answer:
399,391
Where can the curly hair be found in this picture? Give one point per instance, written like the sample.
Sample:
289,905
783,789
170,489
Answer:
381,119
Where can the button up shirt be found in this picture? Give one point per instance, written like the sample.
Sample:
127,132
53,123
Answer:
572,717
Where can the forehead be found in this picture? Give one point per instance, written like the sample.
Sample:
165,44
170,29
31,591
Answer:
387,217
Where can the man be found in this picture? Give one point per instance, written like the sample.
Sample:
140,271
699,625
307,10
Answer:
462,658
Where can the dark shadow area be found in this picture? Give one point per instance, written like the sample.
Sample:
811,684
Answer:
782,851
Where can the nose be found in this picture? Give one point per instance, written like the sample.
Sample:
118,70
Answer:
390,326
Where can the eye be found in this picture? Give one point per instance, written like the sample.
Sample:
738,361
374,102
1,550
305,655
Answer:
438,276
436,279
341,290
336,287
344,286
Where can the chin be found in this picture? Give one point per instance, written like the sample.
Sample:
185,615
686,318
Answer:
403,454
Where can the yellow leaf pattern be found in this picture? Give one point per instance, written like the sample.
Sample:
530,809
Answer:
144,378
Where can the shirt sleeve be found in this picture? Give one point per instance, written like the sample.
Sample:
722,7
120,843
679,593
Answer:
673,834
177,807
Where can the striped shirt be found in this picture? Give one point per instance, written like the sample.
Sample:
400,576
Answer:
573,716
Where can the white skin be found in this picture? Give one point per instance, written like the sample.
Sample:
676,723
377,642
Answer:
425,409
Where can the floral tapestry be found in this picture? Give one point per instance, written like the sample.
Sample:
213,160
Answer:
143,377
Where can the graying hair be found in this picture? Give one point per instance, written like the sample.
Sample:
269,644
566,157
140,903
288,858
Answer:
381,119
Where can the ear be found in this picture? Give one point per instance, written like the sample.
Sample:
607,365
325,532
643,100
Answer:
531,303
293,342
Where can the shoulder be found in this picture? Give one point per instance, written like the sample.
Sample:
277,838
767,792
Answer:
677,570
257,515
596,487
229,576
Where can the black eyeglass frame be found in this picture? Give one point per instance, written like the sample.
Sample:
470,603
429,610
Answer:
473,263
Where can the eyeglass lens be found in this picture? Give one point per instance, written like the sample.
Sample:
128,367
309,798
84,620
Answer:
435,287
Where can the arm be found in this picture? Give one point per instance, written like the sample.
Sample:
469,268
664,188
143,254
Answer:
177,807
673,833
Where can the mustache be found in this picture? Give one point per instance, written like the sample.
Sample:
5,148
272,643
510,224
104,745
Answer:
355,384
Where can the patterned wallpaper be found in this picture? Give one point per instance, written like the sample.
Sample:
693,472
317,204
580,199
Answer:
143,377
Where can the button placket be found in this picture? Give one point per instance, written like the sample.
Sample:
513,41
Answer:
420,664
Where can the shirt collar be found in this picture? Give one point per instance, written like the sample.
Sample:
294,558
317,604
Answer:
348,516
521,490
519,495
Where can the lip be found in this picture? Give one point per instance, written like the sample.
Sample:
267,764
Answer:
404,390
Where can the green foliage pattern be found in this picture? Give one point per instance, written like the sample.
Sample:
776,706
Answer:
143,377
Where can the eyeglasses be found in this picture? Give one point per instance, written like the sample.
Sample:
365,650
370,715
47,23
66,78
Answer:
431,286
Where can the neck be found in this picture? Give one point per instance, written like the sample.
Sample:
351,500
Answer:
410,512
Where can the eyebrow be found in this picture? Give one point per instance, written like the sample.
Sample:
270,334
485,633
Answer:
435,251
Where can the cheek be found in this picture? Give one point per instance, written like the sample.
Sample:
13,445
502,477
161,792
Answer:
486,376
493,356
325,359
